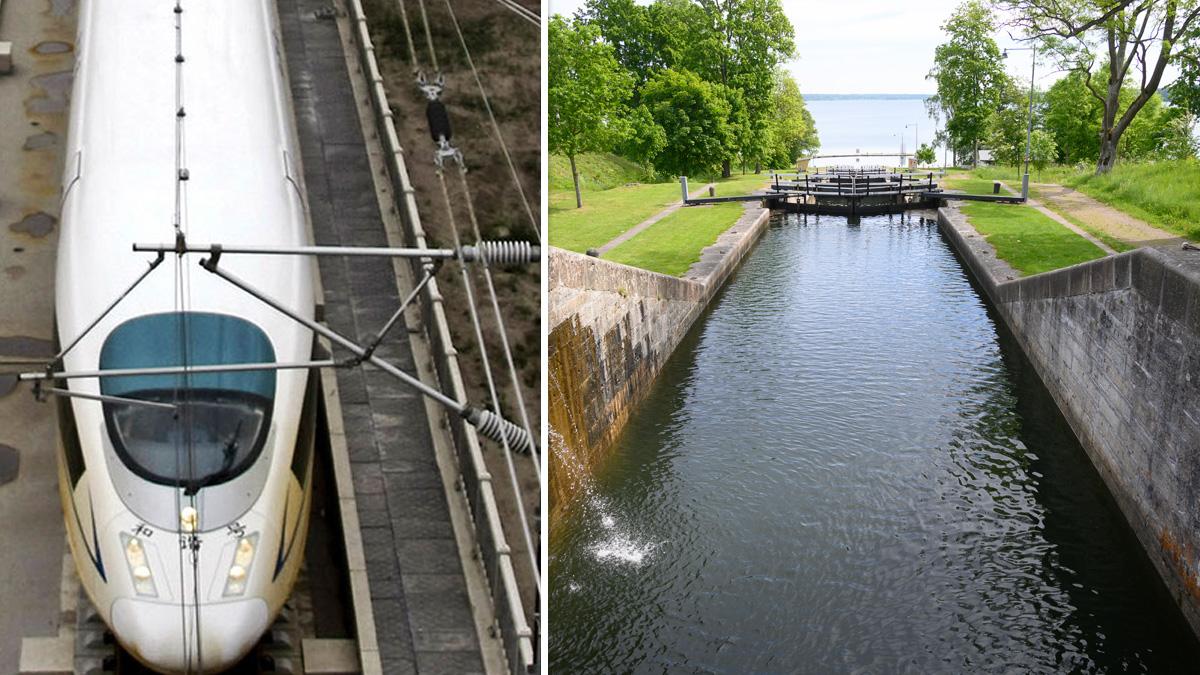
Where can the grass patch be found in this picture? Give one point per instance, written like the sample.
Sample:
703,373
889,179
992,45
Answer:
1164,194
610,205
970,184
1117,244
597,171
1028,240
671,245
605,213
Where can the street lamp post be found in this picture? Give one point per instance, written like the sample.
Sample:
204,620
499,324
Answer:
1029,127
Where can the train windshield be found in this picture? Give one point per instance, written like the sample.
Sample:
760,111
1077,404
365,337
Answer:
207,427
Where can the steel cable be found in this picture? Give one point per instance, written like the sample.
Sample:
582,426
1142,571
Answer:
495,125
469,286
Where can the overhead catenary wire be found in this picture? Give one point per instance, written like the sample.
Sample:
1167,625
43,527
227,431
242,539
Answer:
444,150
188,545
468,285
503,331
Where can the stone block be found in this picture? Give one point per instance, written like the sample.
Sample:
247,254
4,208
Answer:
1080,279
1102,275
1175,292
1146,275
47,656
329,657
1121,266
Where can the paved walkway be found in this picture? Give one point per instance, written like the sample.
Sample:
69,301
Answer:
423,617
637,229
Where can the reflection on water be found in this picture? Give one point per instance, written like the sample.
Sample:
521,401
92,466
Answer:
846,466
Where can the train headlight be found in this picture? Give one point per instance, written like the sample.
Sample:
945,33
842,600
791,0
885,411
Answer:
188,518
139,566
239,568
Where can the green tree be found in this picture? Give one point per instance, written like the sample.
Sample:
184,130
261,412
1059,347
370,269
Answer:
1072,116
628,29
969,74
744,41
694,116
1042,149
1008,125
1144,135
1185,91
644,139
792,132
925,154
1112,43
587,89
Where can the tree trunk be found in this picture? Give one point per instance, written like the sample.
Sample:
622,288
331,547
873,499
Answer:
726,169
757,168
975,155
575,177
1108,154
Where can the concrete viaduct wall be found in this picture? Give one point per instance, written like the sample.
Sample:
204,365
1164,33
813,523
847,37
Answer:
1117,343
611,329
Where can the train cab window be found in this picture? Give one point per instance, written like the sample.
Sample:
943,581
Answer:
213,425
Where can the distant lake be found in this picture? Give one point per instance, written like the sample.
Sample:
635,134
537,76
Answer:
869,123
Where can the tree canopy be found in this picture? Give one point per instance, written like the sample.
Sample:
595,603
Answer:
739,46
694,116
587,89
1117,46
970,77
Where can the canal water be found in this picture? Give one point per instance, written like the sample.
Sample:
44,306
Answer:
847,466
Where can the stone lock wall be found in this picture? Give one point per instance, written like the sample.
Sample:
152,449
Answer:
612,327
1117,343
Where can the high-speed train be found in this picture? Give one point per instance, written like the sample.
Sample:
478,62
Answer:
187,519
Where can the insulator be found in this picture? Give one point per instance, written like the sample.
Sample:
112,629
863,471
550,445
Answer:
499,429
439,121
503,252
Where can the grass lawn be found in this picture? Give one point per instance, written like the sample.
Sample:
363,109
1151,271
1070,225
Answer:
970,184
611,205
1028,240
1164,194
605,213
671,245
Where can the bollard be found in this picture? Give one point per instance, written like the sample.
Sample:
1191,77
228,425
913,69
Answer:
712,191
683,187
995,187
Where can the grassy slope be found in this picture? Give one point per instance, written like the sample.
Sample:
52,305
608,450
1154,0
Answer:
597,171
1164,194
1028,240
671,245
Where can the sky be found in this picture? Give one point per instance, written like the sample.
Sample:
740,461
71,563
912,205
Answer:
867,46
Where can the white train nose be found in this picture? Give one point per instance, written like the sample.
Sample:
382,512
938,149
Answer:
155,633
